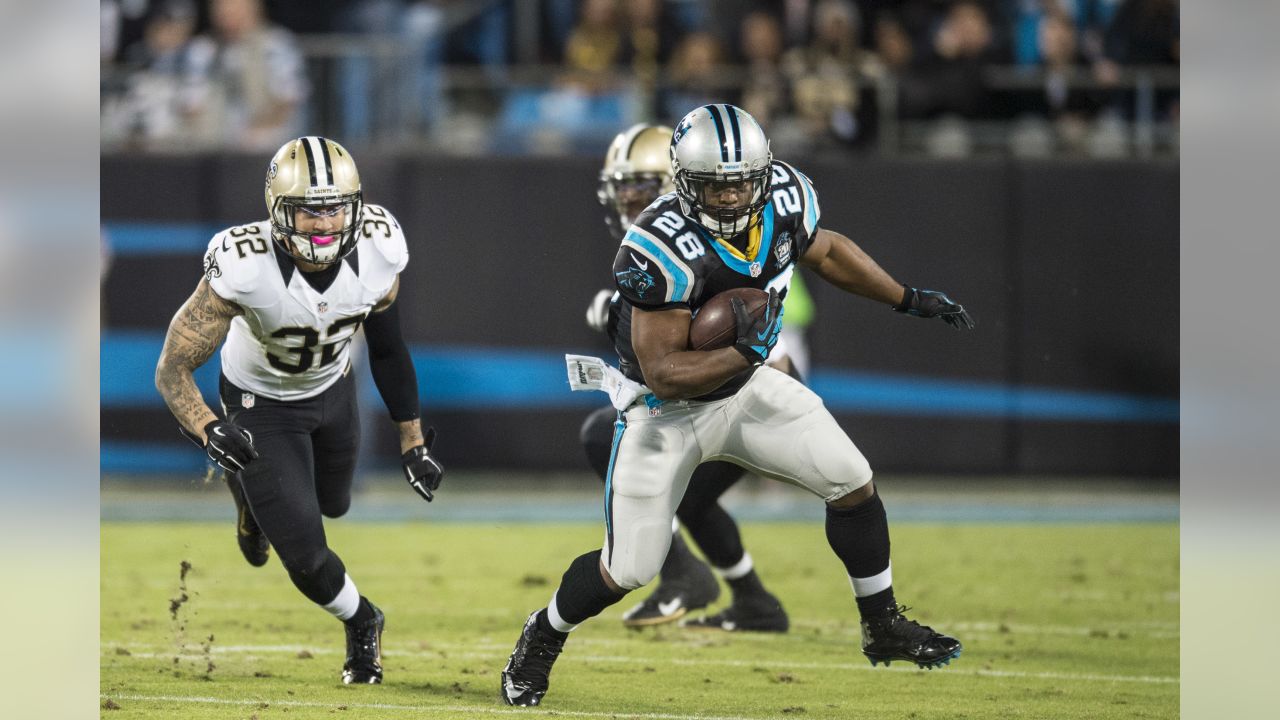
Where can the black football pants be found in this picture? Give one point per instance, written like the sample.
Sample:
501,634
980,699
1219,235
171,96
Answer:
306,462
713,529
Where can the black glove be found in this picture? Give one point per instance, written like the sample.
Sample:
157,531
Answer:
931,303
229,445
423,471
757,336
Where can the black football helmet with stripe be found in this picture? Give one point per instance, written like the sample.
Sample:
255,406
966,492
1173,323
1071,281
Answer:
317,176
719,151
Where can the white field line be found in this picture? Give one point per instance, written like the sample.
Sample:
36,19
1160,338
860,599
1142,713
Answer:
467,710
1172,597
252,650
1156,629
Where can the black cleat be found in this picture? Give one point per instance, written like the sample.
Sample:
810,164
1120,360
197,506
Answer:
253,544
528,671
893,637
675,597
753,613
364,650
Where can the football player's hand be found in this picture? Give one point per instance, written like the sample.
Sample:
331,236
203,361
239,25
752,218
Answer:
757,336
421,469
931,303
598,311
227,444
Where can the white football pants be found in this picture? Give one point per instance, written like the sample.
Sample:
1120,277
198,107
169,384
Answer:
774,426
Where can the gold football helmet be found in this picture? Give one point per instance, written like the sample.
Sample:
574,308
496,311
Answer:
316,176
637,169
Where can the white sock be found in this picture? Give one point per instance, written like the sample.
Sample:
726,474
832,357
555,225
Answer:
675,526
553,616
863,587
347,603
739,569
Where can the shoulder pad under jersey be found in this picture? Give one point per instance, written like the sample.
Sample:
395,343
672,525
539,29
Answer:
384,252
649,269
235,261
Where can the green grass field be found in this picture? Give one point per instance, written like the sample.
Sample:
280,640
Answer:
1058,621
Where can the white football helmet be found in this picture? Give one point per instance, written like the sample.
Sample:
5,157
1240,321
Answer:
721,161
317,176
637,169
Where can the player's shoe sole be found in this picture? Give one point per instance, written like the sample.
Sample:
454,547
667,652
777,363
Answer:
940,662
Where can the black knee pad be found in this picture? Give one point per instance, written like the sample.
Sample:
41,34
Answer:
583,593
335,507
304,563
318,574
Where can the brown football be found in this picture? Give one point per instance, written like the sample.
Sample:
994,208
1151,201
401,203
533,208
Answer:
714,326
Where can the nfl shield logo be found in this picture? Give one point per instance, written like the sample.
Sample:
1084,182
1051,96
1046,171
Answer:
755,269
246,400
323,307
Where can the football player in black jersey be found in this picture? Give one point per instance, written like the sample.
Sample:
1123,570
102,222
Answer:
738,218
636,171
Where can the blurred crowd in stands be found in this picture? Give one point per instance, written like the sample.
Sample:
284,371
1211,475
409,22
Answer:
558,75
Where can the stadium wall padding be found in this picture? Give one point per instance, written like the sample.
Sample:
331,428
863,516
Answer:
1069,267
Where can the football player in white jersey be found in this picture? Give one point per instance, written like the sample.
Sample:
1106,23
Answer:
738,219
637,169
288,294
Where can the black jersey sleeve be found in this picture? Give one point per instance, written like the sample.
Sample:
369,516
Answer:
648,269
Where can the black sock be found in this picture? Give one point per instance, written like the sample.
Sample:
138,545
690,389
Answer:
877,604
364,612
319,575
544,626
747,585
860,537
583,593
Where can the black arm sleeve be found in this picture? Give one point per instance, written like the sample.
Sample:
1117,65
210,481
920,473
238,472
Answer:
390,364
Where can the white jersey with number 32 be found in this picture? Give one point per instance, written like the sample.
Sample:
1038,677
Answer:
293,342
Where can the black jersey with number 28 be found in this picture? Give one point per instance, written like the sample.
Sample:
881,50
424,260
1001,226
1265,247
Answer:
667,260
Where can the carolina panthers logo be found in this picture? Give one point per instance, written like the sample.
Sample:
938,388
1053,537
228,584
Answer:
681,129
211,269
635,280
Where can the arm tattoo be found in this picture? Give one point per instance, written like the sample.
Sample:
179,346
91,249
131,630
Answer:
195,332
410,434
